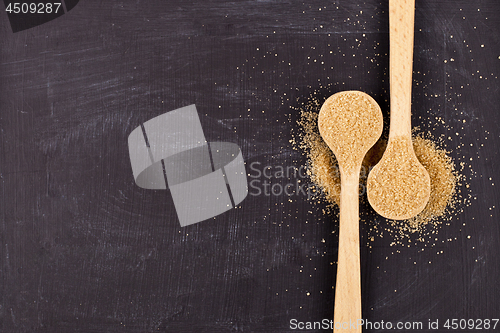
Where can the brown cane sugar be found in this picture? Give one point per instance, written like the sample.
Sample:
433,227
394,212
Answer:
443,180
322,168
398,186
350,122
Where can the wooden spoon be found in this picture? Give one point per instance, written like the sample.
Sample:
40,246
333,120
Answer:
398,187
350,122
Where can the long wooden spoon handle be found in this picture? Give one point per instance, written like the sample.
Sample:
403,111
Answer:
347,312
401,26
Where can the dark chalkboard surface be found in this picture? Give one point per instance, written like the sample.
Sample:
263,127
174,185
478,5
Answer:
84,249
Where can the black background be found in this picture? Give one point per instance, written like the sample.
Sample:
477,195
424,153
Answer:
83,249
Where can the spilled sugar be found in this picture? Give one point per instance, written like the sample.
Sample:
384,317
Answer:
323,171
